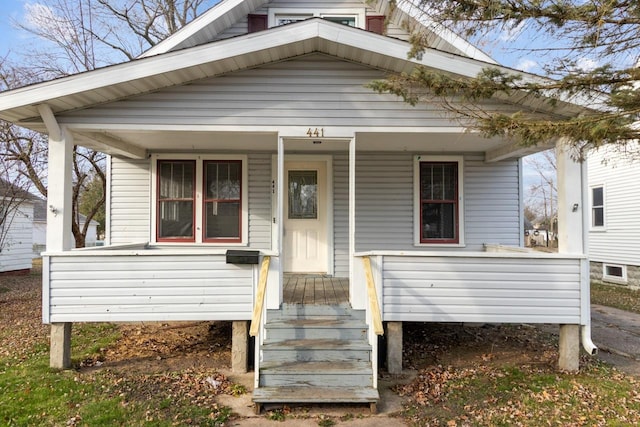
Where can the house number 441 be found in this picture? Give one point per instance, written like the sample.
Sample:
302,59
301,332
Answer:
315,132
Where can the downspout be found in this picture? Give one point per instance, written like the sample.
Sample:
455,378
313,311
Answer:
585,329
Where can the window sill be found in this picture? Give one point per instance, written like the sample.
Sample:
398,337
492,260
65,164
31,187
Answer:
440,245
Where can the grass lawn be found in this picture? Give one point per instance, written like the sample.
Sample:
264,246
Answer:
484,376
616,296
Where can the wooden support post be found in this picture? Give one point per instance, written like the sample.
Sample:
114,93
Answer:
60,352
569,344
239,346
394,347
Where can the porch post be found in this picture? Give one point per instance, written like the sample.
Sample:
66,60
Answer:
571,240
352,221
59,236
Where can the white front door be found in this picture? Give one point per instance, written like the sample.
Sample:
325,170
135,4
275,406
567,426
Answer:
305,217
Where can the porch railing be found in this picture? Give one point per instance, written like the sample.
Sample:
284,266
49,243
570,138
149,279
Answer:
374,306
259,304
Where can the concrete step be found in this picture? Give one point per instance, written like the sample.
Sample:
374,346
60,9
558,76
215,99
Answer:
288,395
319,350
316,328
316,374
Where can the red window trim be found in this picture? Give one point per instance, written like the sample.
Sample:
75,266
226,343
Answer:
455,201
205,200
191,239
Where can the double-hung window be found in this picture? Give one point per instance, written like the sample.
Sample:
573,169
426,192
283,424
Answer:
200,200
438,209
597,207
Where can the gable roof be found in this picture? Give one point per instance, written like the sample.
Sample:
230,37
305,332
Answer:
213,59
223,15
8,189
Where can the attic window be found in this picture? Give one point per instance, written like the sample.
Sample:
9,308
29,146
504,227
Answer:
350,17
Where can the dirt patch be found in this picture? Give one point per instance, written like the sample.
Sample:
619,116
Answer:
458,345
162,347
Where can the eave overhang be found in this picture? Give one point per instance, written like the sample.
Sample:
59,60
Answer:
277,44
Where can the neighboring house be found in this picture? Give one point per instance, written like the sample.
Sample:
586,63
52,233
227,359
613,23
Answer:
40,228
16,222
614,228
247,155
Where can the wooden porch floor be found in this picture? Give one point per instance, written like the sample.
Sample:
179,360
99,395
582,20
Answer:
313,289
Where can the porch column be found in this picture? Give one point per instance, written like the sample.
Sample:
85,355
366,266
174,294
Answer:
353,295
59,237
571,240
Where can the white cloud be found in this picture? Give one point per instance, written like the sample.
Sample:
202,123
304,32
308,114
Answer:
44,20
586,64
526,65
511,31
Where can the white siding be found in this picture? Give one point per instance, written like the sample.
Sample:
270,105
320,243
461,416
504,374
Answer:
341,214
314,89
17,249
481,289
260,201
619,241
130,210
384,202
148,287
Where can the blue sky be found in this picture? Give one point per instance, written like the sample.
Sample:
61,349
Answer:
12,39
11,9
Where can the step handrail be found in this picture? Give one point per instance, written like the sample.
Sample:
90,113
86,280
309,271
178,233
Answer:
262,290
374,307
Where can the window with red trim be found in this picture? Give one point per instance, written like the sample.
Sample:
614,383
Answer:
439,209
176,200
222,200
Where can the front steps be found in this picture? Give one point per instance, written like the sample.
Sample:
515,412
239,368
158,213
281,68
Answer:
315,354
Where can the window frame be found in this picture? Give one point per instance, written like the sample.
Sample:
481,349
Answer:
592,226
199,206
611,278
178,239
417,211
359,14
206,200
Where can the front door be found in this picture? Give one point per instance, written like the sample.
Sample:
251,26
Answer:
305,217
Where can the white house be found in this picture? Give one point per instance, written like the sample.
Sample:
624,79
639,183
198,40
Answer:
248,155
40,228
614,230
16,223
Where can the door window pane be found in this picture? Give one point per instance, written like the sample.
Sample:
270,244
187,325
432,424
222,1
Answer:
303,194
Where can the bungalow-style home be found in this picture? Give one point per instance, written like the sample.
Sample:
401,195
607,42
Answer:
614,209
40,228
254,177
16,222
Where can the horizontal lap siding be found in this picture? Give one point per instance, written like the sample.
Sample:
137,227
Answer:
491,202
130,210
619,241
149,288
341,214
314,88
384,202
468,289
17,250
260,201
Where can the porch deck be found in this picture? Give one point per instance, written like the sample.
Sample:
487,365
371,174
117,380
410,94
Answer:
313,289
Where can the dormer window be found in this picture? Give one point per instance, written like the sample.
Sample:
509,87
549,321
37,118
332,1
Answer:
350,17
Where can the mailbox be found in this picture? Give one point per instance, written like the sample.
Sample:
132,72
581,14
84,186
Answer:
243,257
